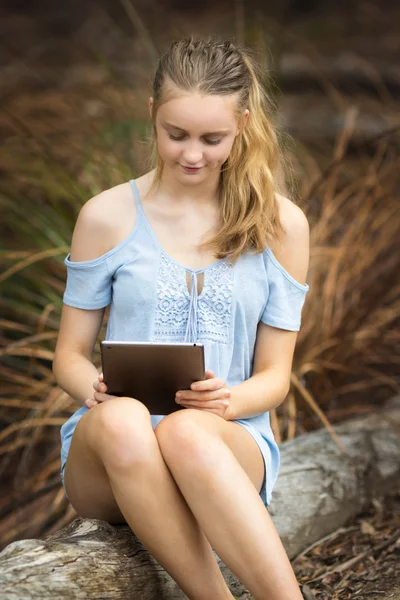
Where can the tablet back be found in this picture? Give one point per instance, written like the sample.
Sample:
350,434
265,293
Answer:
151,372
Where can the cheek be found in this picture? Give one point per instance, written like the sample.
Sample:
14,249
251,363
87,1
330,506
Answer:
167,149
224,150
222,154
217,154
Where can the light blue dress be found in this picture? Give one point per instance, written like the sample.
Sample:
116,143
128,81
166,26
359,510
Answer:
150,301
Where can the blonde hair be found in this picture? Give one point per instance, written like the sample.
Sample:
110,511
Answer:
253,173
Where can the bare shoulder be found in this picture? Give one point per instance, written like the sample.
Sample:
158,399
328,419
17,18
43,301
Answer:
293,217
293,250
103,222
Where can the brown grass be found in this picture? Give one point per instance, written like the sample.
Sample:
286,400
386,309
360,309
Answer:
346,359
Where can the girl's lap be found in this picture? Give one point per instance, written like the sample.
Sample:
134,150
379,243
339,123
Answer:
91,478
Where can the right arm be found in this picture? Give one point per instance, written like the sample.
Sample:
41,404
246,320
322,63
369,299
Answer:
72,365
97,230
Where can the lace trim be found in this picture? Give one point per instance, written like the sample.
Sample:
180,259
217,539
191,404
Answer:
214,304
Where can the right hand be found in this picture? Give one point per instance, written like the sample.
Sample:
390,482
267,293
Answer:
100,393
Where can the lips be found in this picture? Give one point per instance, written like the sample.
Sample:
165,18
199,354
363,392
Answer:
191,169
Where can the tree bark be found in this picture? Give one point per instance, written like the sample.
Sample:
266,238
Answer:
318,490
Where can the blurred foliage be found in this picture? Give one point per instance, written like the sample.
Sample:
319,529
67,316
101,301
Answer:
346,359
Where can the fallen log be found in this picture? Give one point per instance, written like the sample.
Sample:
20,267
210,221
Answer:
320,487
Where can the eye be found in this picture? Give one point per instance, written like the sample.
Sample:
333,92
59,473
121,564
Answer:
210,142
171,137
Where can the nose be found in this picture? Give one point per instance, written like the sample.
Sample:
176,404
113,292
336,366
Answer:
192,154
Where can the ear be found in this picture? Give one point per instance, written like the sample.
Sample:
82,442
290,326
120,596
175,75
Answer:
243,122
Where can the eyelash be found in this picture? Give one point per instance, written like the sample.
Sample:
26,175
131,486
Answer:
212,143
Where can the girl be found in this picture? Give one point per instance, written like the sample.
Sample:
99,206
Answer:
200,248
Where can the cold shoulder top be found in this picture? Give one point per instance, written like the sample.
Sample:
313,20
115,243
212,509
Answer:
150,301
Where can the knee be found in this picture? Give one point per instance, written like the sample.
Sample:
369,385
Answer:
122,432
185,436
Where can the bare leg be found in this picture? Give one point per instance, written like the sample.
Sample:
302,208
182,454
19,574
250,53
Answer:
225,502
150,500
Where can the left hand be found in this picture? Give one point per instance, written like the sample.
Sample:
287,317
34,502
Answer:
211,395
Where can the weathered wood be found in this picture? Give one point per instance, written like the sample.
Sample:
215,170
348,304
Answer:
318,490
90,559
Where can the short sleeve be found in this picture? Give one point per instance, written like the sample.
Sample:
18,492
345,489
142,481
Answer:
89,283
286,296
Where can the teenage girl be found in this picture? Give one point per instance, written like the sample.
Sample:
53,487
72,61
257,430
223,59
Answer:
204,248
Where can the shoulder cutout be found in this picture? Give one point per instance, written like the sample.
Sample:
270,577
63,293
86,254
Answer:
293,250
103,222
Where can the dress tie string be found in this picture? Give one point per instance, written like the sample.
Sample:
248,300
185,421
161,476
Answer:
191,328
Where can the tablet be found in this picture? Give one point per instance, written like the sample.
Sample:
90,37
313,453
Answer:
151,372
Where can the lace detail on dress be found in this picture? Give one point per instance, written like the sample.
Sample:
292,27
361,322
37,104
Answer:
214,304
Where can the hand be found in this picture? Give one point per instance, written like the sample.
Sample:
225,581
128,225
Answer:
211,395
99,395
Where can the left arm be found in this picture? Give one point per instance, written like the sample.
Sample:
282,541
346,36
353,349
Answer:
270,382
274,349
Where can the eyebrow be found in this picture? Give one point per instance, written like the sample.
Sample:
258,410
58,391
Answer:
184,131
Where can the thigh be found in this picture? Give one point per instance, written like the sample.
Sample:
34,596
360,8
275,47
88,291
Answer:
247,452
240,441
85,478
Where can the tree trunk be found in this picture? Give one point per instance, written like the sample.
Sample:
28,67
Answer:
318,490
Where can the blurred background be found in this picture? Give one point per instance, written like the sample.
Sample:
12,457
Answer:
75,78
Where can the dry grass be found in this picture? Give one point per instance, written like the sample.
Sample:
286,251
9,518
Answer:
346,358
347,355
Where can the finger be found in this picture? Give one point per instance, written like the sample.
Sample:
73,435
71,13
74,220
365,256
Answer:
101,397
216,383
90,402
211,404
101,377
204,396
209,374
100,387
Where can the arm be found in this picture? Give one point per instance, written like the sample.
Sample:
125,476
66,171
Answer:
72,365
274,349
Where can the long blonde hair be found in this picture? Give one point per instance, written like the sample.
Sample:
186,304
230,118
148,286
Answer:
253,173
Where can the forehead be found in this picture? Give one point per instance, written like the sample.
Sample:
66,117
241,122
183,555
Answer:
199,112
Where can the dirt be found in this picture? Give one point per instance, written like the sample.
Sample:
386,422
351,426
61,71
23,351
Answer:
359,561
